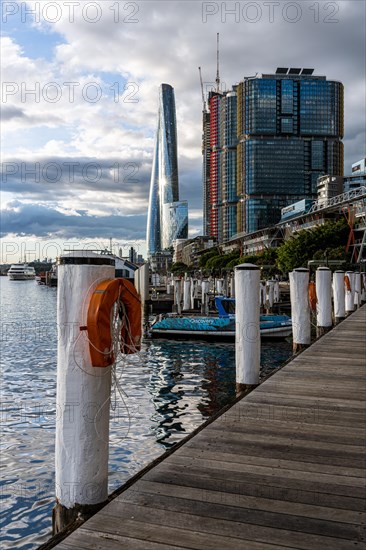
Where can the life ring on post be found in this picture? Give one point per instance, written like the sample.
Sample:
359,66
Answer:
313,299
347,283
99,319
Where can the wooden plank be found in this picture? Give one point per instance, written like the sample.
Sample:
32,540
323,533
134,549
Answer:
214,510
267,471
303,453
251,502
269,490
354,435
216,526
136,536
276,440
283,463
205,469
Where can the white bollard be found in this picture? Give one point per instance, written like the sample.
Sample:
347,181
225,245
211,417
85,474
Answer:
338,296
144,282
349,279
323,283
225,286
262,293
300,311
197,286
247,336
186,294
276,292
232,286
219,286
270,296
192,292
178,296
136,277
204,297
83,394
357,280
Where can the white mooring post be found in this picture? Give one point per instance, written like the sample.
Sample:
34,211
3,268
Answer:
204,297
186,294
83,394
262,294
232,286
192,292
141,277
219,285
178,296
338,296
277,292
350,292
144,282
270,296
323,283
300,310
357,289
247,336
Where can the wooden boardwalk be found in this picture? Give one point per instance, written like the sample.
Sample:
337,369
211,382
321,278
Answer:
283,468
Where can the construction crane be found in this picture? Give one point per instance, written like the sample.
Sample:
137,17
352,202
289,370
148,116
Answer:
203,95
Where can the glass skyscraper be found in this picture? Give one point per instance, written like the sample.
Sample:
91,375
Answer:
162,226
280,133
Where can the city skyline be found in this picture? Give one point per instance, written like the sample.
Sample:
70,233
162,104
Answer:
92,134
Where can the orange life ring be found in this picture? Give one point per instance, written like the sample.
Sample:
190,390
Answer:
347,283
105,295
313,300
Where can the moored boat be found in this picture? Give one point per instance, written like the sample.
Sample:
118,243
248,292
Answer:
21,272
220,327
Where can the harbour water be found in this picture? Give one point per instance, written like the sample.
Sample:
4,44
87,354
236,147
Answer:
163,394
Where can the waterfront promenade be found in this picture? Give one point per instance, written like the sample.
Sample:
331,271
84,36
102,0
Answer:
283,468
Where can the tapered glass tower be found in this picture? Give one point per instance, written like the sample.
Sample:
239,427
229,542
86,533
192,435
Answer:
164,205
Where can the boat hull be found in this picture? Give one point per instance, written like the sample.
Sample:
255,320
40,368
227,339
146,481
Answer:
20,277
221,336
211,328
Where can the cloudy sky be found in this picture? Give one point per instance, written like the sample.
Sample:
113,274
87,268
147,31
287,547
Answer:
79,102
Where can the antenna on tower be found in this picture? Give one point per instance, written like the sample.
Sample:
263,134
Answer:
218,65
203,95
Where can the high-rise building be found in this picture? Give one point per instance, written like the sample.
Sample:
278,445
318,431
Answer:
272,136
175,222
167,217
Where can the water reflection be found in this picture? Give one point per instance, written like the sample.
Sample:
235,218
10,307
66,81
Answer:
184,384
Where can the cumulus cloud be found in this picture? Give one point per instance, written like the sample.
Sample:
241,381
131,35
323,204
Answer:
44,221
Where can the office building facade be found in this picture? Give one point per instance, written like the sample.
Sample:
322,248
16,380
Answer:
284,132
167,216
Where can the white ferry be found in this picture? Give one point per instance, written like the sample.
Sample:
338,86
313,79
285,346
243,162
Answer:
21,272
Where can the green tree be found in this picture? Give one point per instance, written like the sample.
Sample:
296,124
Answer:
298,250
179,267
207,255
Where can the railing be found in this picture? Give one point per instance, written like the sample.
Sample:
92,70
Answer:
345,198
